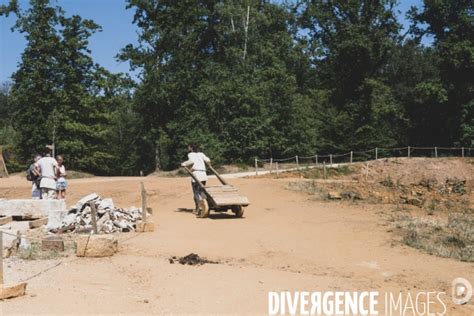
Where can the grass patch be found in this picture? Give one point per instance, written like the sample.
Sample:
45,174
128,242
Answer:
72,174
34,252
29,253
331,172
453,238
432,207
388,182
308,187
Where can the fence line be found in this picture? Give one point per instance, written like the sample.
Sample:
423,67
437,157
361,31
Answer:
366,155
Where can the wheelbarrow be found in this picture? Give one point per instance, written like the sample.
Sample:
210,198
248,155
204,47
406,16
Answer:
219,198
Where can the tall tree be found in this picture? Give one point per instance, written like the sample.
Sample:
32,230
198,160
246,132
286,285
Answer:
215,72
350,43
413,75
78,121
7,133
451,25
34,92
58,94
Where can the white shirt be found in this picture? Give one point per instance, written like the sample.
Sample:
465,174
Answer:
198,163
48,178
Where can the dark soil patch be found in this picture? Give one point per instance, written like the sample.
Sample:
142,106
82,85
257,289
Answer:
192,259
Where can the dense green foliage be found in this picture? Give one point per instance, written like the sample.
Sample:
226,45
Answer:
243,79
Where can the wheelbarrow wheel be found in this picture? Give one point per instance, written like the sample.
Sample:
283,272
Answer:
203,208
238,211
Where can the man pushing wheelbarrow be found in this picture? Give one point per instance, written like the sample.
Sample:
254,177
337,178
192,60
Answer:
219,198
197,162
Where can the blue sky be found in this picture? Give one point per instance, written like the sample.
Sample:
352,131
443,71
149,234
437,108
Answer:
117,31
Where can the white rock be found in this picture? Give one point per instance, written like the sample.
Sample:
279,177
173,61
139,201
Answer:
106,204
69,219
86,199
87,219
121,223
87,210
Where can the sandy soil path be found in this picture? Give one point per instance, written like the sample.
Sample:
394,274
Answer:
286,241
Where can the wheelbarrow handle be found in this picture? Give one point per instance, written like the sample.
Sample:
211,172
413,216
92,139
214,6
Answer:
216,173
194,177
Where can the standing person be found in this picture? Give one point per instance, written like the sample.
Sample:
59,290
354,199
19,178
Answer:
34,175
197,161
61,183
48,166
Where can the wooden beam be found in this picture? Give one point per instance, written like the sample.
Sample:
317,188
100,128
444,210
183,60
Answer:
217,174
5,220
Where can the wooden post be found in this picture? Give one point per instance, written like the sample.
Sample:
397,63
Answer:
324,169
93,217
271,165
277,170
256,167
1,258
330,159
436,152
366,171
408,151
297,163
316,159
351,156
462,152
143,194
376,153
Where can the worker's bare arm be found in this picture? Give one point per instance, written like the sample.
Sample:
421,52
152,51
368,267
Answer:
205,158
187,163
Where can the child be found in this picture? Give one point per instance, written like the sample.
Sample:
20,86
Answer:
61,183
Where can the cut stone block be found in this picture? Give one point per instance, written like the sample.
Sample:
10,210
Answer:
146,227
96,246
12,290
31,208
56,218
52,243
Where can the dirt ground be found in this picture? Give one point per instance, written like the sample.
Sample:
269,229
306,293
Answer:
285,242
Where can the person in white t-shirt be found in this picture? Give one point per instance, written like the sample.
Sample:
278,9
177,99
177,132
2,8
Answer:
48,166
197,161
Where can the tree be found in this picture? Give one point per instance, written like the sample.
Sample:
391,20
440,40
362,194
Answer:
215,72
35,84
7,133
60,96
450,24
350,42
80,132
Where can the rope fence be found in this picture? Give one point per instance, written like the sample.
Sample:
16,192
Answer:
295,162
